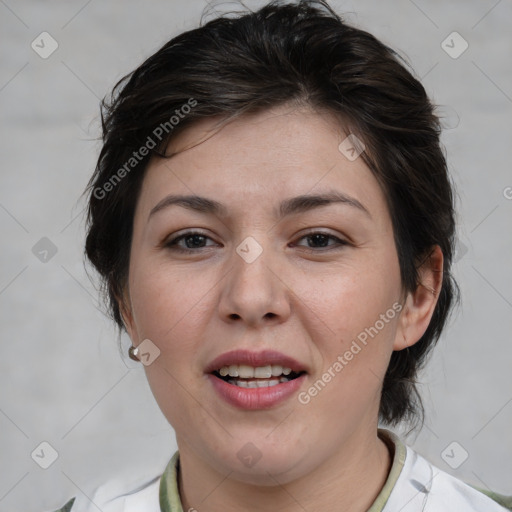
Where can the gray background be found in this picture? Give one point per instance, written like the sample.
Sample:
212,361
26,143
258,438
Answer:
62,378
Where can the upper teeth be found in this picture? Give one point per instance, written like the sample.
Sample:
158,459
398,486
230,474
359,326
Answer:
247,372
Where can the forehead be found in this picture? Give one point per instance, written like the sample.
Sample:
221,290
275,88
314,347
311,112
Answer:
282,137
258,160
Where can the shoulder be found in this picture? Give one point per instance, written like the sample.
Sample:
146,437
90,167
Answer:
424,487
132,492
117,496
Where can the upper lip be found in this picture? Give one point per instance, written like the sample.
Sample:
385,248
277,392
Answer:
255,359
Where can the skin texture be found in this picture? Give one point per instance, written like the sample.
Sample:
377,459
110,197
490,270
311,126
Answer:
298,297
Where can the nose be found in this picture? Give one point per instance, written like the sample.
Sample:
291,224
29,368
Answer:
253,293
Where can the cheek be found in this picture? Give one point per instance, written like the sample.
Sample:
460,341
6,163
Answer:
351,299
358,311
170,308
169,302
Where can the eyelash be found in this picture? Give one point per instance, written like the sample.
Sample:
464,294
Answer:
172,244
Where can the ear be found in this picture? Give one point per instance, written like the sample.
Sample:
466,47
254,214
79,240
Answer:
420,304
125,309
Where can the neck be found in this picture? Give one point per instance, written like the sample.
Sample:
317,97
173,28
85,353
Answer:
350,480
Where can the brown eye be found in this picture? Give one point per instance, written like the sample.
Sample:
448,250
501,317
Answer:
188,242
319,239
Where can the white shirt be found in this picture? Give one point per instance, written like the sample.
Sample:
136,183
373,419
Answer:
419,487
423,487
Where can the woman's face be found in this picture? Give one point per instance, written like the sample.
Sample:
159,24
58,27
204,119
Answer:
267,281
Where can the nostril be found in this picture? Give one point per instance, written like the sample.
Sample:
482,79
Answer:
236,316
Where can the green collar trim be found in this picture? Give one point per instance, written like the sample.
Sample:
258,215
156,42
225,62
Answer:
399,451
169,494
170,497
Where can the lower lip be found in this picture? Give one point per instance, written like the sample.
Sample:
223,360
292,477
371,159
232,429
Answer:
255,398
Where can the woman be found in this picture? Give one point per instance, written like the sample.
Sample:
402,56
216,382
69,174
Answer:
273,222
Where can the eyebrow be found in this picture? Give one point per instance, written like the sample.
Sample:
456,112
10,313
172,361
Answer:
291,206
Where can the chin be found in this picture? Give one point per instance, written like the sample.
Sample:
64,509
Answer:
262,464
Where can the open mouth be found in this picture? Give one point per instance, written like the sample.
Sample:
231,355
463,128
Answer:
245,376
